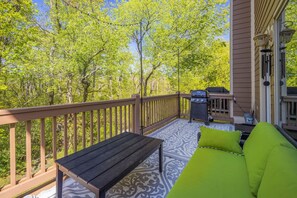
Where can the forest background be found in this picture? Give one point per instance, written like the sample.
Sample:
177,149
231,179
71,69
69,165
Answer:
71,51
77,51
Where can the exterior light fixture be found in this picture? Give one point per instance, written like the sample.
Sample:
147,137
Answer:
261,40
287,33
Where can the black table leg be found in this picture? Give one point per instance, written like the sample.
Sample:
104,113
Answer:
101,194
59,183
161,158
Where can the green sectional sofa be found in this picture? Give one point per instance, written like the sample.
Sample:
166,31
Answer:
266,168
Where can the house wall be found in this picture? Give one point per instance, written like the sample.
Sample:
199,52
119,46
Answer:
266,13
241,55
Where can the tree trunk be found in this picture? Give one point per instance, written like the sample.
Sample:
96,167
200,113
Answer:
86,85
145,84
69,93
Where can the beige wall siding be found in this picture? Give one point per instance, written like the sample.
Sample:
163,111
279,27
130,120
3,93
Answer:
265,13
241,53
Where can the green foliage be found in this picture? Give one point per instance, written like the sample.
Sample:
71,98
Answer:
291,55
174,28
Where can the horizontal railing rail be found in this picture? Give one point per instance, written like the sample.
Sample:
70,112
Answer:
40,135
291,112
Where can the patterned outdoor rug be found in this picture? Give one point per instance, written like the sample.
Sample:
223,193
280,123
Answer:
146,181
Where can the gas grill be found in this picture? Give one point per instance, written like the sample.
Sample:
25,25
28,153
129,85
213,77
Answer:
199,106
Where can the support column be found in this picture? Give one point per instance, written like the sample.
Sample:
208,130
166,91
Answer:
136,113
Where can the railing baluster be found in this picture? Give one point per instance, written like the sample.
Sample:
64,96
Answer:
129,118
142,114
110,122
54,130
148,114
125,117
42,145
145,114
153,111
116,120
84,129
220,106
121,120
295,113
292,116
65,138
223,107
215,106
133,118
189,107
157,111
229,103
98,125
28,150
12,154
92,126
75,132
164,111
288,113
104,117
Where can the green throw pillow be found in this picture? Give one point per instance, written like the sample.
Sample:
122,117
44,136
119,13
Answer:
279,179
224,140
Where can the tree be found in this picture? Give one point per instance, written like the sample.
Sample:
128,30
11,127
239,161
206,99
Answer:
291,55
177,29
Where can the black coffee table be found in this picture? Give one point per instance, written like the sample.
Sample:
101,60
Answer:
102,165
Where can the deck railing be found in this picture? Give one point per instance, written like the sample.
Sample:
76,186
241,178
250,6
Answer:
219,106
40,135
158,110
291,112
57,131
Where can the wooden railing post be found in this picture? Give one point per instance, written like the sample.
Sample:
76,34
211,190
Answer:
178,104
136,113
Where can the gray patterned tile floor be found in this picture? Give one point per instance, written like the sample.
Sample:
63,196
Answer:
180,142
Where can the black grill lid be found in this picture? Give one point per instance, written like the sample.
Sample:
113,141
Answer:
199,94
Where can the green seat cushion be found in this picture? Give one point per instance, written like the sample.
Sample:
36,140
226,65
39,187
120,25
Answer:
280,175
257,148
224,140
212,174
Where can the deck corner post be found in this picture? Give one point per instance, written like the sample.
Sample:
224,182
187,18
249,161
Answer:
136,113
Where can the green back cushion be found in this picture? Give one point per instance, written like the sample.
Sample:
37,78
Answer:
280,175
224,140
257,148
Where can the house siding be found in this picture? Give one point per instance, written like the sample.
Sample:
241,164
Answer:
265,16
241,55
